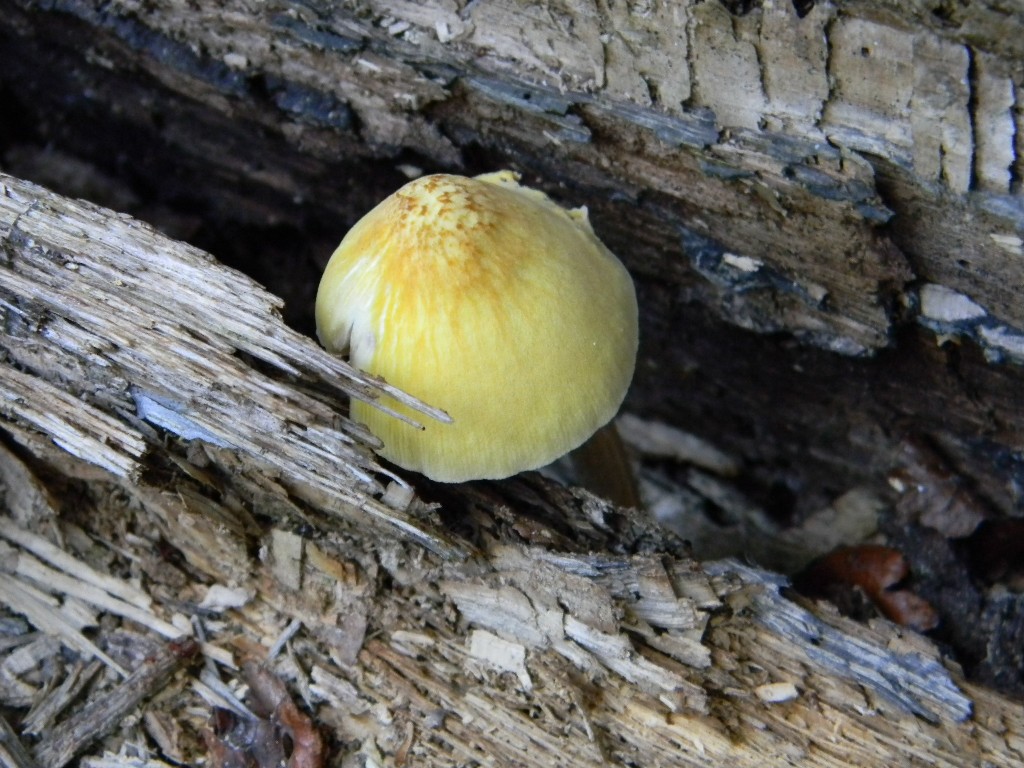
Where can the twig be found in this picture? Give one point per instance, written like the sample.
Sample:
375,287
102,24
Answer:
47,710
101,715
12,752
60,559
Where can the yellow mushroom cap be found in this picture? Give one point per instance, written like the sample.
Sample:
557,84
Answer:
486,299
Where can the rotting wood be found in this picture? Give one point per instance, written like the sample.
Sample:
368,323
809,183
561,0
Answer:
913,681
754,147
631,651
12,751
142,326
95,720
736,162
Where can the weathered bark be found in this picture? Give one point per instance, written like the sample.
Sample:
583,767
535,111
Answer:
823,216
850,179
87,281
581,634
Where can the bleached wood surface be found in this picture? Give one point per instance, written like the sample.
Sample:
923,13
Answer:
849,180
814,172
560,632
137,325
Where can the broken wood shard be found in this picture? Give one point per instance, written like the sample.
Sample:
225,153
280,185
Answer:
97,719
136,326
598,657
911,680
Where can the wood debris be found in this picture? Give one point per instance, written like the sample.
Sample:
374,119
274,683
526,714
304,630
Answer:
556,631
100,716
279,734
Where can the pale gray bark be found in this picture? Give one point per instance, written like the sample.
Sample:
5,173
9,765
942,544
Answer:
580,636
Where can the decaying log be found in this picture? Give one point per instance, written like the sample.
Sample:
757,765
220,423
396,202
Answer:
845,174
821,205
538,626
95,721
85,282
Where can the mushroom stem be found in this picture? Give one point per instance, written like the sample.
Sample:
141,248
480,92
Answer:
603,468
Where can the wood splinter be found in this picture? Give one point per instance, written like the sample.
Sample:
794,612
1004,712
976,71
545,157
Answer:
103,714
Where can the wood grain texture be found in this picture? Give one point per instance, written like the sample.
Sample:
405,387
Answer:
757,135
806,179
602,642
130,322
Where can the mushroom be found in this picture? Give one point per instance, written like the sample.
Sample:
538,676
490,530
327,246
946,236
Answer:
486,299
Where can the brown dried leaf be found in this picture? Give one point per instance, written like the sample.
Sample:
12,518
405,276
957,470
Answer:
874,570
908,609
